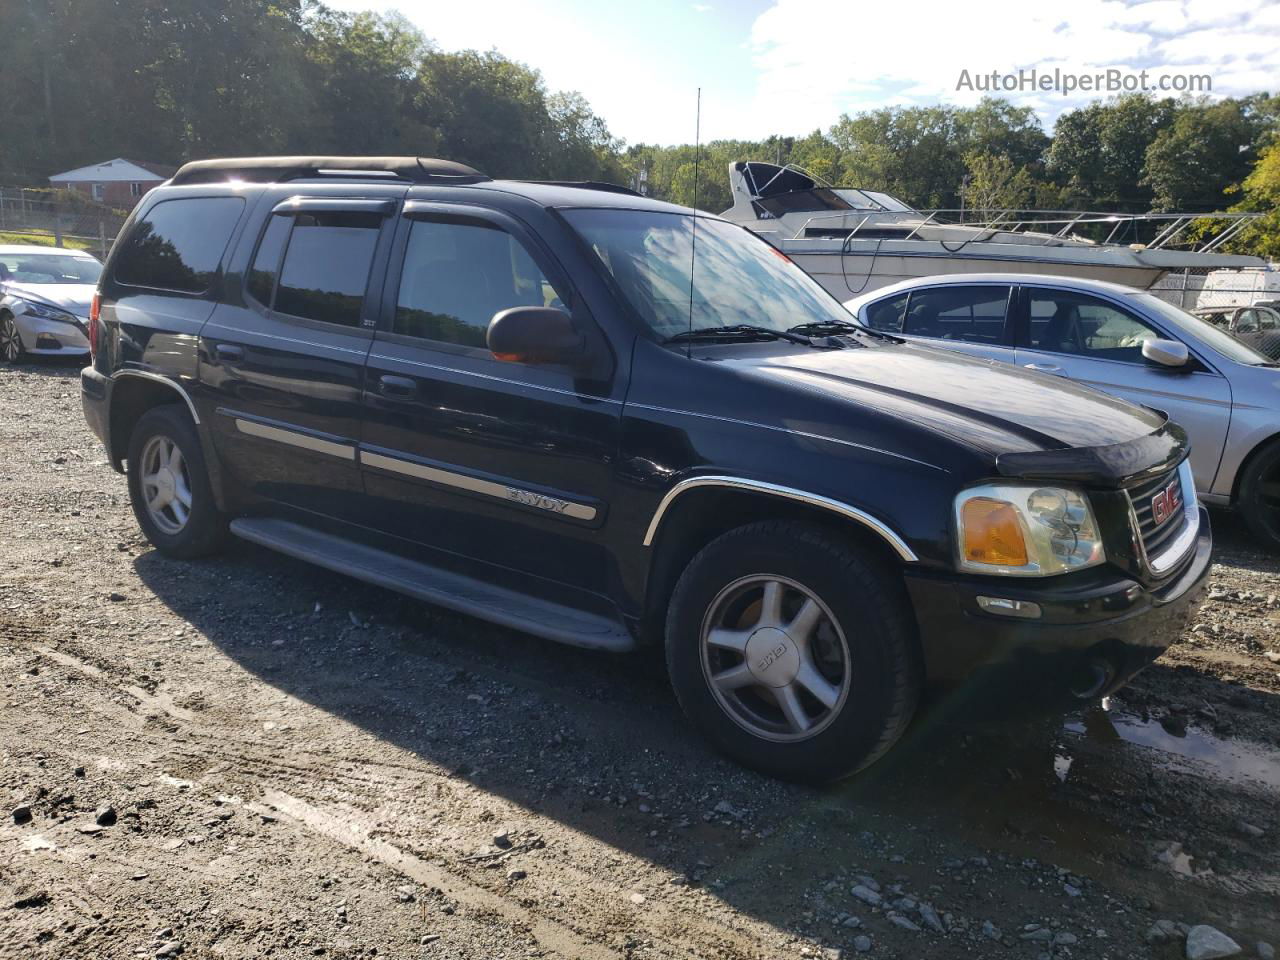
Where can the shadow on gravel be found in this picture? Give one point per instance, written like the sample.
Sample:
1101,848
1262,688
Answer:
597,742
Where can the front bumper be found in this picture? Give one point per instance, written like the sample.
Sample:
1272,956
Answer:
1096,630
45,337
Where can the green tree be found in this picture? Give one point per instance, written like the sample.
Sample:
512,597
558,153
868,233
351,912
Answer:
1208,148
1260,193
996,183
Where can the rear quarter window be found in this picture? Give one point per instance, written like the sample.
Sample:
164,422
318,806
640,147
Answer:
178,244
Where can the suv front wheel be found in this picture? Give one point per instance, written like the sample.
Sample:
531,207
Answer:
793,651
169,486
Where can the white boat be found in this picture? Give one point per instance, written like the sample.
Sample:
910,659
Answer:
853,241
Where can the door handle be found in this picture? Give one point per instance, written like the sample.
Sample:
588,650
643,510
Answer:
1044,367
398,387
229,352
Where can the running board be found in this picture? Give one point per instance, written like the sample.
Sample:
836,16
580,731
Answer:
498,605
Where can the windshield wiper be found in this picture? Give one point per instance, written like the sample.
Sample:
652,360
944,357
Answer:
824,326
739,330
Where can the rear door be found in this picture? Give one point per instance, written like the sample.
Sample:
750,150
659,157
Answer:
506,463
1099,343
968,318
282,361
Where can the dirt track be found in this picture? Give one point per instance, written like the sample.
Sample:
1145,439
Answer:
301,766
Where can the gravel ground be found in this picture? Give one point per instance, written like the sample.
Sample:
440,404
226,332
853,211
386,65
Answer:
249,757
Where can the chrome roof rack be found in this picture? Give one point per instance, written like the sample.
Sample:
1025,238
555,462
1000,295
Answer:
278,169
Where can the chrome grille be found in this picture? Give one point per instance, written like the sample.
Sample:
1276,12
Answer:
1157,536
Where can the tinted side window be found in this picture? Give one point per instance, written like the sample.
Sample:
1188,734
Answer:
887,314
178,244
458,275
326,266
1267,319
1247,321
972,314
266,262
1063,322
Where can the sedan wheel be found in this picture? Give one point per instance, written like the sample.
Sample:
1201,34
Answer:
11,348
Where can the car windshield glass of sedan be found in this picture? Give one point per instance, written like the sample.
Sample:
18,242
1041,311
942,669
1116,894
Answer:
737,278
50,268
1217,338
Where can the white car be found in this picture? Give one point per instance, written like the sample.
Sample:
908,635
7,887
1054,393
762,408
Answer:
45,293
1224,393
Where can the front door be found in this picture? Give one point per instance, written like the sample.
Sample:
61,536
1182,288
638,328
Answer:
969,318
1099,343
505,463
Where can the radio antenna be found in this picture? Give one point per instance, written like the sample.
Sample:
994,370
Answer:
693,244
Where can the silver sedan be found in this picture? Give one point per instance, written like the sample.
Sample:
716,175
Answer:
45,294
1125,342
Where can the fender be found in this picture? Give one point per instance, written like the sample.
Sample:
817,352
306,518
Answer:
790,493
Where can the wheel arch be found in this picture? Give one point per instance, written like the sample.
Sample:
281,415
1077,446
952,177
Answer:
133,393
1258,449
696,511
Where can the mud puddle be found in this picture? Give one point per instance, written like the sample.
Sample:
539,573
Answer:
1190,748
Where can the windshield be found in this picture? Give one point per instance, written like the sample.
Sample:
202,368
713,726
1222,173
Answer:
1221,341
48,268
737,279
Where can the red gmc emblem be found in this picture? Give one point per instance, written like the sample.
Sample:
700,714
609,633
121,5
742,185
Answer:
1166,503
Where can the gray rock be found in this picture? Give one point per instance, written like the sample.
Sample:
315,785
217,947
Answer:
105,816
866,895
1039,935
931,918
1266,951
851,922
516,874
502,840
1162,931
869,882
906,905
862,944
1207,943
21,814
1248,829
170,949
1071,890
901,921
990,930
1064,939
727,808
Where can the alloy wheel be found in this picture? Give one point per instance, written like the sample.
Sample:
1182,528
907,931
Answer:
775,658
166,484
10,343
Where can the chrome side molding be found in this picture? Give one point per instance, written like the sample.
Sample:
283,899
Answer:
293,438
488,488
790,493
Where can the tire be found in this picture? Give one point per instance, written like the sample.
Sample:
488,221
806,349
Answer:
1259,502
11,348
187,526
782,720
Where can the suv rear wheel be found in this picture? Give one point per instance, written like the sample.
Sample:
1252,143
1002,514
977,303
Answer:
169,486
1259,502
793,651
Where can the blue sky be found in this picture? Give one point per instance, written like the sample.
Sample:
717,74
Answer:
789,66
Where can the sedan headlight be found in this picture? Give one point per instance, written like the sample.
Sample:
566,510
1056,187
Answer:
35,308
1023,530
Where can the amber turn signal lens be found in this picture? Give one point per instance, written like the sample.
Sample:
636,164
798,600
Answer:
992,533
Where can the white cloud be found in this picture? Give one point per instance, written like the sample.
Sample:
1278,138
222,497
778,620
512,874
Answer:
817,59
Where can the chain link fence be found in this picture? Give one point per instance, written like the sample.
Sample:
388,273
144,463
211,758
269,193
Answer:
1203,287
57,218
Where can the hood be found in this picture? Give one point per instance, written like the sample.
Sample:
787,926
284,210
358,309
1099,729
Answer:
74,297
1034,424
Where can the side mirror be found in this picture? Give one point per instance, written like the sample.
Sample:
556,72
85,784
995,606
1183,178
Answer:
535,335
1167,353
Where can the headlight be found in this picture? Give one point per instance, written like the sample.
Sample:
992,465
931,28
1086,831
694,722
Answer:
1023,530
36,309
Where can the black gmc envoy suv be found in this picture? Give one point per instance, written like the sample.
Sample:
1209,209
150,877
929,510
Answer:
603,420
